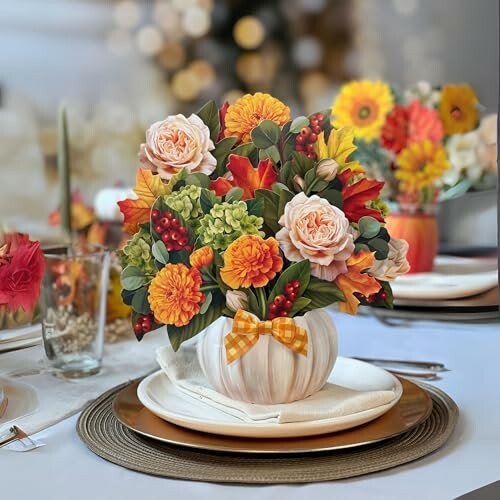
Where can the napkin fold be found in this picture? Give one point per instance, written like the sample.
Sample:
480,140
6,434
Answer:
184,371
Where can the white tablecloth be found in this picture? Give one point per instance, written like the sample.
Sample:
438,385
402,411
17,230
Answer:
66,469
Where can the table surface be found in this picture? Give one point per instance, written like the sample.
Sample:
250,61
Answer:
66,469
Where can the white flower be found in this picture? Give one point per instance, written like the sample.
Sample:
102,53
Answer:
236,299
395,264
327,169
463,155
423,92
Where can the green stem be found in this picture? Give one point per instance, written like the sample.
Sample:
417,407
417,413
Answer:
261,299
309,188
207,288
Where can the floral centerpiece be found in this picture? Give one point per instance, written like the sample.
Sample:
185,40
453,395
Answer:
427,143
245,215
22,266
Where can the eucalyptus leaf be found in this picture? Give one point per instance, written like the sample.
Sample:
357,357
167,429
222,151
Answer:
255,206
234,194
459,189
368,226
160,252
140,302
208,300
271,153
299,123
132,278
380,246
266,134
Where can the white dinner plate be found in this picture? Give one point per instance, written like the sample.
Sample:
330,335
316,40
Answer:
162,398
19,338
452,278
21,401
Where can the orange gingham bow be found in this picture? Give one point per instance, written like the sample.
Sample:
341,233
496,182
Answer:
246,331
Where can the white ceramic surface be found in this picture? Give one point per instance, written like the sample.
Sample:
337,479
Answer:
271,373
452,278
20,337
22,401
162,398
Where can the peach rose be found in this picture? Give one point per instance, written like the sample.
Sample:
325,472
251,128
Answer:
395,264
315,230
178,143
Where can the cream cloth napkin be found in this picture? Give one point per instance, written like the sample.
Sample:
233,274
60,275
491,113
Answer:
184,371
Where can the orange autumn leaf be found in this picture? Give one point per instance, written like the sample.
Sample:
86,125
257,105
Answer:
356,196
246,177
355,280
147,188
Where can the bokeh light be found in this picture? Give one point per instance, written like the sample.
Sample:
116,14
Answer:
249,32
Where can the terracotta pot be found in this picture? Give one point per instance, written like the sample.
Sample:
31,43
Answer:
271,373
421,233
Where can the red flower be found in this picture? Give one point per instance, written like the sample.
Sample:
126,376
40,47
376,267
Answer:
410,124
21,270
245,176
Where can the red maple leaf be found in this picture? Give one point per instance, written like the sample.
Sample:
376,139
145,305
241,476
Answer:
246,177
356,196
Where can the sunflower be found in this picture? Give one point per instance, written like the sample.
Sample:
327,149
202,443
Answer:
251,260
363,104
420,165
174,294
248,111
458,109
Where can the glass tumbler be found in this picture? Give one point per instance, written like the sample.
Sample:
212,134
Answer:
73,300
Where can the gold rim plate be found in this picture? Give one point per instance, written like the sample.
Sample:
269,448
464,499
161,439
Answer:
413,408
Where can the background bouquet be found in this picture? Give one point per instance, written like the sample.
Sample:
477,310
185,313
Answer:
427,143
240,208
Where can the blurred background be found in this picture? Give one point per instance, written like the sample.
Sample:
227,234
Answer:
119,65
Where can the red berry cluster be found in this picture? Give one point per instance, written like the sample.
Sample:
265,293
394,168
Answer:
170,230
144,324
380,296
307,136
283,303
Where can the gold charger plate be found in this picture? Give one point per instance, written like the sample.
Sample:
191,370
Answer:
413,408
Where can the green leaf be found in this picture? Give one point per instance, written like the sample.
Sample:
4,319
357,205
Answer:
298,305
297,271
381,248
198,179
253,303
132,278
302,163
179,256
160,252
221,152
333,196
299,123
178,335
140,302
271,204
358,247
127,296
255,207
162,206
266,134
368,227
208,300
313,182
285,197
322,294
459,189
234,194
277,187
209,114
208,199
271,152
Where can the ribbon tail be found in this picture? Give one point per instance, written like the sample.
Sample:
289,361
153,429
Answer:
236,345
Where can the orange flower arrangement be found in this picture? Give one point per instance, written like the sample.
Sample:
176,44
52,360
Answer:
251,261
202,257
248,111
174,294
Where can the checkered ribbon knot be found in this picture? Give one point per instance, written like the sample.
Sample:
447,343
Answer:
247,329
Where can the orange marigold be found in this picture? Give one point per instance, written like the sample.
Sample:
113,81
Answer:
251,260
248,111
174,294
202,257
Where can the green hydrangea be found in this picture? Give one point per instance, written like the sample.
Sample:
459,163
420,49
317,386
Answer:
226,222
137,252
380,205
186,202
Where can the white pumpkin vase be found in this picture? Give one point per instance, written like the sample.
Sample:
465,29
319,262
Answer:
269,372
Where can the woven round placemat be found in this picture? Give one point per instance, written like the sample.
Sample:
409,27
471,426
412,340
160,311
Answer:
105,436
